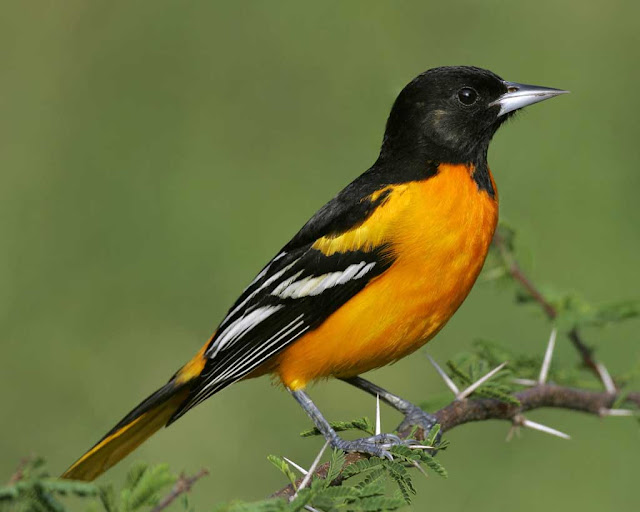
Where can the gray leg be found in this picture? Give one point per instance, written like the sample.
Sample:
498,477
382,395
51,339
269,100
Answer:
374,445
413,415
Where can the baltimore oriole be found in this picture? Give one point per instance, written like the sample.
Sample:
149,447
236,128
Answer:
374,274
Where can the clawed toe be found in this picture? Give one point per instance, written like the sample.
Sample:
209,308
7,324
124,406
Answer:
377,445
367,445
417,417
391,439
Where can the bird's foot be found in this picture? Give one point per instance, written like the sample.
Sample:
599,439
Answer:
377,445
416,417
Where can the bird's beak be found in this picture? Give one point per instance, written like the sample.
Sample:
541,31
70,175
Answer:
522,95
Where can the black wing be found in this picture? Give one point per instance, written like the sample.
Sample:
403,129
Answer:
299,289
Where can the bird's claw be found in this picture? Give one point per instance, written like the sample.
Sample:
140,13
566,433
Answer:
378,445
419,418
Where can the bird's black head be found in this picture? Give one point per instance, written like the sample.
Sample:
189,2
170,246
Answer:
450,114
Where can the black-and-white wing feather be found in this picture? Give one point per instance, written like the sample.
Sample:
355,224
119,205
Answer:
299,289
295,293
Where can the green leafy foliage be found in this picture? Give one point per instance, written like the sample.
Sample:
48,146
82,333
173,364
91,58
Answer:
363,485
143,485
368,485
34,490
525,366
572,310
363,488
469,367
270,505
336,464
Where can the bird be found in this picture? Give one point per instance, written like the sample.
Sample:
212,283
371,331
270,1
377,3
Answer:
370,278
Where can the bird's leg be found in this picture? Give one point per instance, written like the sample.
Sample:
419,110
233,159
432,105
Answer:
413,415
375,445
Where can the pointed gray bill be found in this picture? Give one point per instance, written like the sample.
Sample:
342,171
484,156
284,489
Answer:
522,95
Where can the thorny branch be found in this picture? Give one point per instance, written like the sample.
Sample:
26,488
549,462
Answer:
460,412
540,395
518,275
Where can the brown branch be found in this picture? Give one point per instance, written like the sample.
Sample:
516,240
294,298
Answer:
586,352
460,412
593,402
182,486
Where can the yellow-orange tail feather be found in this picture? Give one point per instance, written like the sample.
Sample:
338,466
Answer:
130,433
140,424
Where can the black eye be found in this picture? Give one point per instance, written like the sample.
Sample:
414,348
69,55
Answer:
467,96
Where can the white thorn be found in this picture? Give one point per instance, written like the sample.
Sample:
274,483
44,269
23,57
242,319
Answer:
450,384
310,508
466,392
616,412
606,379
543,428
299,468
525,382
546,363
419,468
378,423
307,477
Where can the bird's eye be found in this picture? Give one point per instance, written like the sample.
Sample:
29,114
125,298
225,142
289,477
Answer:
467,96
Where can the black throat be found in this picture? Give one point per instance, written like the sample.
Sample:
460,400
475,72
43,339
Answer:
401,167
482,177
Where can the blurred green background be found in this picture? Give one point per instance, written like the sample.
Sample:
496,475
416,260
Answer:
154,155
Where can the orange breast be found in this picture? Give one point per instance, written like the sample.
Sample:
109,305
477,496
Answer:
439,230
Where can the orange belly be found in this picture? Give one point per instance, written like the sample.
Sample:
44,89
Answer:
439,230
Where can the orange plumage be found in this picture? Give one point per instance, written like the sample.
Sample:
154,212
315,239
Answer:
399,311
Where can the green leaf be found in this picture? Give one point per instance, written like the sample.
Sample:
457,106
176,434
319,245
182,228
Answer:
432,435
108,498
497,392
374,488
77,488
458,374
9,492
404,489
46,500
380,503
268,505
339,493
282,465
362,466
405,453
434,464
135,474
363,424
371,481
144,488
335,465
399,472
